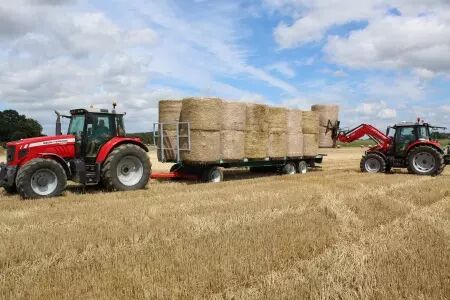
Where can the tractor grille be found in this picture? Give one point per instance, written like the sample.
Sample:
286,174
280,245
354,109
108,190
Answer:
10,153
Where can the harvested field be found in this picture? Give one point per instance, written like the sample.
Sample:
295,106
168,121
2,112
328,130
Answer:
335,234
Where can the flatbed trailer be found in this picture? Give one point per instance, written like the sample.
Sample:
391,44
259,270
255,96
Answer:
213,171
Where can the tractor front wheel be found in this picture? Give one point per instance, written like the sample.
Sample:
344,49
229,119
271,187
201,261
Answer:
126,168
41,178
373,163
425,160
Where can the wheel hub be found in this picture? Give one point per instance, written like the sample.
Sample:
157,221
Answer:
373,165
44,182
130,170
424,162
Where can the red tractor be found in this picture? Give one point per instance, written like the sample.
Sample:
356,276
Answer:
95,151
405,145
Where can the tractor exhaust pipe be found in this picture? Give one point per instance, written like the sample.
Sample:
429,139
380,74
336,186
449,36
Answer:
58,124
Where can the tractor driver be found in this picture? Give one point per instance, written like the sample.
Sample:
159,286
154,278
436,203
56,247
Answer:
98,137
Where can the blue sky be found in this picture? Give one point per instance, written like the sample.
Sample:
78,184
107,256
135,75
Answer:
381,61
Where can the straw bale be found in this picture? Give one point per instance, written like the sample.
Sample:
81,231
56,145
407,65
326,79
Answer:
277,144
202,113
326,113
233,116
256,117
277,119
205,147
295,145
232,144
294,121
310,144
310,122
256,144
169,112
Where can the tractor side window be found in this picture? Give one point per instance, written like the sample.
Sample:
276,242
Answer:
423,133
120,127
404,137
76,126
102,127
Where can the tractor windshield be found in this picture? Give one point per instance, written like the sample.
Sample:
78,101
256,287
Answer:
76,126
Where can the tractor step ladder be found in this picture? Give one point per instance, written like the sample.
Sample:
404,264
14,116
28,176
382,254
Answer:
175,143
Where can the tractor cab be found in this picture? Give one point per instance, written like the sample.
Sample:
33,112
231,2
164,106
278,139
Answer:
92,129
406,134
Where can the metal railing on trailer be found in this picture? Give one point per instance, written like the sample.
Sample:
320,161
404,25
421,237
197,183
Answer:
161,139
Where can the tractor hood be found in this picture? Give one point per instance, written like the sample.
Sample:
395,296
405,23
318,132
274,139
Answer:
43,141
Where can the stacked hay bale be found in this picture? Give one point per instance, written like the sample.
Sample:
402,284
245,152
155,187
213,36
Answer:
256,131
294,133
205,117
169,113
232,135
310,127
277,123
326,113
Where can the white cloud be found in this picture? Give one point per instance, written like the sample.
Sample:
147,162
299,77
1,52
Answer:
376,110
282,68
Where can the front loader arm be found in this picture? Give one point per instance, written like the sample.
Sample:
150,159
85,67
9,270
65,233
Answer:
360,131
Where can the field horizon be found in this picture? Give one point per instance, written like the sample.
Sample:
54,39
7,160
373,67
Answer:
333,233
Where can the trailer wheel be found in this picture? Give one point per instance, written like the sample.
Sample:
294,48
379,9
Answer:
425,160
288,169
41,178
212,174
127,168
373,163
302,167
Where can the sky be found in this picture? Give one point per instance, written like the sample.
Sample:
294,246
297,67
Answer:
382,61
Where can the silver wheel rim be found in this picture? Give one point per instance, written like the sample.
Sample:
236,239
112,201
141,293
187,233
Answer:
130,170
302,168
44,182
290,169
424,162
215,176
372,165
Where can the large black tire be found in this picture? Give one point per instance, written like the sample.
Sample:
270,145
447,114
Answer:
10,189
418,158
29,185
288,169
124,157
302,167
212,174
373,163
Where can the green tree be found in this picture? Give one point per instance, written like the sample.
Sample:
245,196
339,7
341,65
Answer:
14,126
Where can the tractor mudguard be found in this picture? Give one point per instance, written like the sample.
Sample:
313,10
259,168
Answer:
115,142
59,159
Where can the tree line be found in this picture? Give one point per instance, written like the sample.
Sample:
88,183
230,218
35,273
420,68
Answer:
14,126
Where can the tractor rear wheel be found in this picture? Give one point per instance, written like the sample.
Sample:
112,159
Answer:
127,168
373,163
425,160
41,178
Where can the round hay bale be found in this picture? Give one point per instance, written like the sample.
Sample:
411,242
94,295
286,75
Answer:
294,121
277,144
295,145
233,116
256,144
256,117
326,113
310,144
169,112
232,144
277,119
169,145
310,120
202,113
205,147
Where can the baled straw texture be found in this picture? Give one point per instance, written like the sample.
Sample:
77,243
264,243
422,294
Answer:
310,144
295,144
277,144
205,147
169,112
326,113
256,144
256,117
232,144
277,119
234,116
310,122
294,121
169,144
202,113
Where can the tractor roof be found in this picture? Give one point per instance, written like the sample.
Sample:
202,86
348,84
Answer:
410,124
105,111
